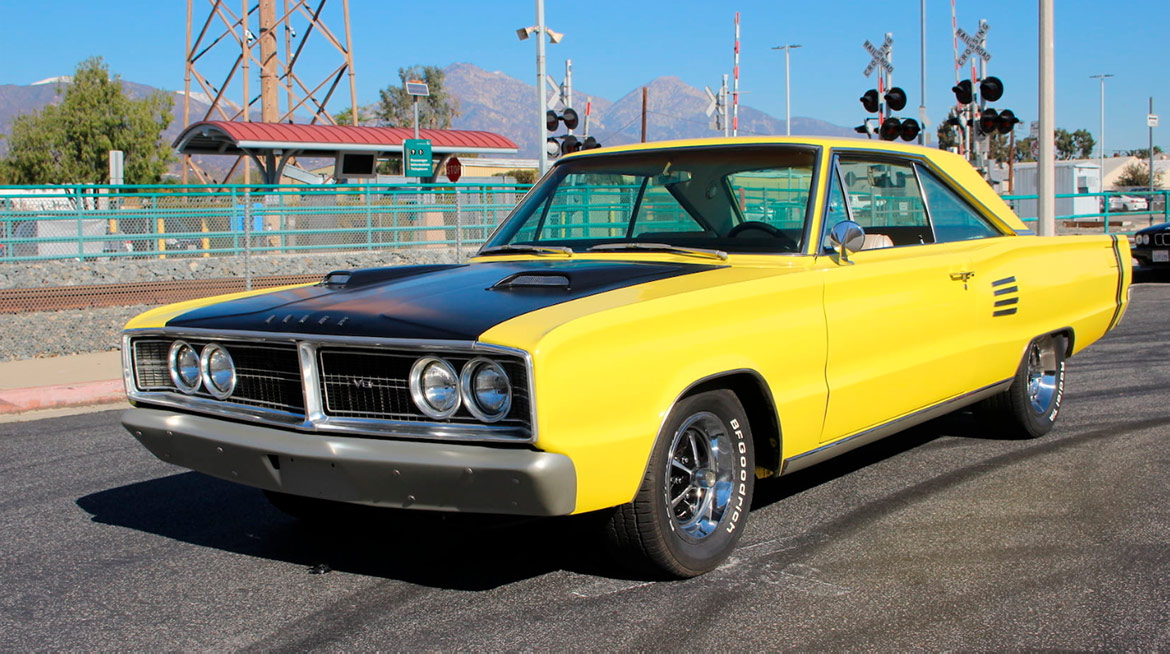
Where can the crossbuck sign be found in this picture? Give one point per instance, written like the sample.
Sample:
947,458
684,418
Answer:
880,55
974,43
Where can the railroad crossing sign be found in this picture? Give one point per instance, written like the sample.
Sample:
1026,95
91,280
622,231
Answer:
553,93
712,101
974,43
881,56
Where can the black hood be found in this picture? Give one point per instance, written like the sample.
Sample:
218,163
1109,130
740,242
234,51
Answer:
457,302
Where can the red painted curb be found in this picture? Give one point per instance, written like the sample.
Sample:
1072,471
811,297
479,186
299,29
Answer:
19,400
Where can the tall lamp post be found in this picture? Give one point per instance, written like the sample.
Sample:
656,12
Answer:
787,89
540,29
1101,134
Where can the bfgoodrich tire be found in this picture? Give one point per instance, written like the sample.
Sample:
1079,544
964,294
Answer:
694,499
1029,408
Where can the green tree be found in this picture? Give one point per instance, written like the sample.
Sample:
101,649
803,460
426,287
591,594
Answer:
1136,174
366,116
947,136
1024,149
1143,153
70,142
1084,143
436,111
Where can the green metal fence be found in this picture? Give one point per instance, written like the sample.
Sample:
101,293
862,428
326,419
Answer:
91,222
1109,213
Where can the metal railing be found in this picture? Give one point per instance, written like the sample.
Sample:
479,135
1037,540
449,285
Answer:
41,223
95,222
1110,212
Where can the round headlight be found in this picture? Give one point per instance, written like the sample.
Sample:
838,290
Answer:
434,386
1145,239
219,371
487,389
184,366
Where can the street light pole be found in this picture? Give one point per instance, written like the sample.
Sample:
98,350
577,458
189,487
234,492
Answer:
1101,134
787,89
540,76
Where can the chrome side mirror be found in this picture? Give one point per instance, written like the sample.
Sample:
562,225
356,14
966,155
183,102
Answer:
847,236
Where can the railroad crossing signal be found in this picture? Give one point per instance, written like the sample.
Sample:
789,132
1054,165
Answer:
974,43
880,56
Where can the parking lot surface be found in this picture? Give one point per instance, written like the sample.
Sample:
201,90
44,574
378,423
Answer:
943,537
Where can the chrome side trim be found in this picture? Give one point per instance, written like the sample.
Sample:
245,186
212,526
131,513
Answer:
315,419
830,450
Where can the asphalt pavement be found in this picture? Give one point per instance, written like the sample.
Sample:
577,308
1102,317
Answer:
941,538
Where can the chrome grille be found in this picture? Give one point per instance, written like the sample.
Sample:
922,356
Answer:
373,384
355,386
268,375
150,365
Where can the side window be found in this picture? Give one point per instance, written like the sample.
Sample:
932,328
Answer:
954,219
884,198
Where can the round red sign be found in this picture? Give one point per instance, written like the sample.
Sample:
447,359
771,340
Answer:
454,169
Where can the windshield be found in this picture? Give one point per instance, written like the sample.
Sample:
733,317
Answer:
729,199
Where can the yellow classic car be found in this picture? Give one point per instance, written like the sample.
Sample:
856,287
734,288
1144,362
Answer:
652,329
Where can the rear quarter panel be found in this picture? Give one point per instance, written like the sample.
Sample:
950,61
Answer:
1071,282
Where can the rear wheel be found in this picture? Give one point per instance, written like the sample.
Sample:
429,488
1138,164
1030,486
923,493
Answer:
693,502
1029,407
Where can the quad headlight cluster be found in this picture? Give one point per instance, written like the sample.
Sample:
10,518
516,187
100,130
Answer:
483,386
1141,239
212,369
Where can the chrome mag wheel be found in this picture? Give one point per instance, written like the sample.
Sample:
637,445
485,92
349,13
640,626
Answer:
1041,374
699,479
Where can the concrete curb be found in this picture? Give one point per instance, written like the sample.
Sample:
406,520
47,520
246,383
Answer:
19,400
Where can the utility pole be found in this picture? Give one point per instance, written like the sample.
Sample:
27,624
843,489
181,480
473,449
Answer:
735,82
567,87
1150,123
1046,166
540,82
922,65
1101,134
645,101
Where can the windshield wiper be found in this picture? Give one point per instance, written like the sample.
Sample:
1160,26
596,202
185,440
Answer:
662,247
533,249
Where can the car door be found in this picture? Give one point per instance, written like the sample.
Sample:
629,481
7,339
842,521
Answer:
899,316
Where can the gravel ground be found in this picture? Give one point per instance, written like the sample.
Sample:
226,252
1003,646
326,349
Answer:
58,333
121,271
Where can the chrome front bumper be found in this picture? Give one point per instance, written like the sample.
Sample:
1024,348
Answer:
393,473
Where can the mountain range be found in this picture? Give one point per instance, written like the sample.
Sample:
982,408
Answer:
495,102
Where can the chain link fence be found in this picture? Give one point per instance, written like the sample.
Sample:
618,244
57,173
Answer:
116,222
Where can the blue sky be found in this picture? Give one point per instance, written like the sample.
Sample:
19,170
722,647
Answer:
618,46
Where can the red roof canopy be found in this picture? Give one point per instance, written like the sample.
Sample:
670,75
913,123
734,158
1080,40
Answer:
234,138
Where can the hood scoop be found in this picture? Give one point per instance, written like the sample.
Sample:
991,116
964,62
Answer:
342,279
549,281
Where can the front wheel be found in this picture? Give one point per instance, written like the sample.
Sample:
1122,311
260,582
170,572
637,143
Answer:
1028,408
694,499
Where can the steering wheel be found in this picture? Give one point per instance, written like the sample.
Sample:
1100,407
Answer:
770,230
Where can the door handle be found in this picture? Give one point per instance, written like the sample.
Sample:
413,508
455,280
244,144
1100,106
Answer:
962,276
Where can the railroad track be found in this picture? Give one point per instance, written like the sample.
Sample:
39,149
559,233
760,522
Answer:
56,298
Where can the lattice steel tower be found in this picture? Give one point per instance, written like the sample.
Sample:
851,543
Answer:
224,39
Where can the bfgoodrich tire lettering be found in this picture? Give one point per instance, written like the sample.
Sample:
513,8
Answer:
694,499
1029,408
